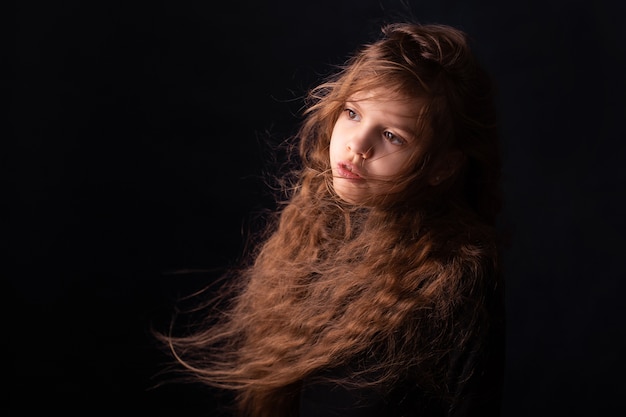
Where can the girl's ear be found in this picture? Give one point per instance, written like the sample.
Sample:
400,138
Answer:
450,164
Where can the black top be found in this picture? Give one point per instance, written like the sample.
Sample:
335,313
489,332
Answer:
477,393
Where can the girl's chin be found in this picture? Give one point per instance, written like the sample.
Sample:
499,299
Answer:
348,195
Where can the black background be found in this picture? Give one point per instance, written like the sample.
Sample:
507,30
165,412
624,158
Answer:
138,139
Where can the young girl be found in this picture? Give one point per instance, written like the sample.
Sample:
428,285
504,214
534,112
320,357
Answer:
377,290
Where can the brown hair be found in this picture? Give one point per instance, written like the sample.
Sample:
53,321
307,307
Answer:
390,289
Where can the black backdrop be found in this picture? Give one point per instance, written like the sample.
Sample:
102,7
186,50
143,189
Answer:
137,144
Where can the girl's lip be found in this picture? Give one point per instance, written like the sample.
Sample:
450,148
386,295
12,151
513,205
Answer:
348,171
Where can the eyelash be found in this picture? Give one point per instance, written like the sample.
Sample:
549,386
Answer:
395,137
352,115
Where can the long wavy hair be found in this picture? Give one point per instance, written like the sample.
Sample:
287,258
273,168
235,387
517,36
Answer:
390,288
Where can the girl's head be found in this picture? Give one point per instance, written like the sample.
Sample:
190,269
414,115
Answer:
407,119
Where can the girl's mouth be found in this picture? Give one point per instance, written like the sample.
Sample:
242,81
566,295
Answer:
348,171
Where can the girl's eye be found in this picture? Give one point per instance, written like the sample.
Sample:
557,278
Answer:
393,139
352,115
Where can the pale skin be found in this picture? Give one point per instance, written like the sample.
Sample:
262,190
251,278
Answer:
371,143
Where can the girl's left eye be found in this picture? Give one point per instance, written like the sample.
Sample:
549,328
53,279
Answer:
393,139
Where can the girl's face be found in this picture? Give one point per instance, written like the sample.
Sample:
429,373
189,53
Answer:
371,144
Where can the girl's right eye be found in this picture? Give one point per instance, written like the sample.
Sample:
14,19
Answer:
352,115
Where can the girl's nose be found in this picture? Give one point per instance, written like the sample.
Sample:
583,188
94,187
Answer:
361,144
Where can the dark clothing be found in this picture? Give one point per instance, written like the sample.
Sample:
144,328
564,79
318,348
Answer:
472,394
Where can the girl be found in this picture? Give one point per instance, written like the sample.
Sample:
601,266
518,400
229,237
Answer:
377,289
